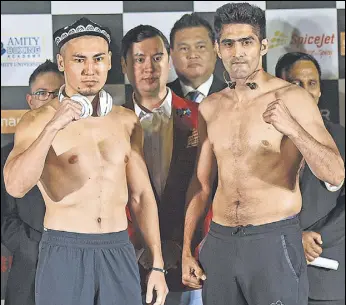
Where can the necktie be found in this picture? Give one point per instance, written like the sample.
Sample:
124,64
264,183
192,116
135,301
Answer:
193,95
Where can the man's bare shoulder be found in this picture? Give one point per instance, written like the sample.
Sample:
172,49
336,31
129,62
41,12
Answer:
127,117
35,120
212,101
293,94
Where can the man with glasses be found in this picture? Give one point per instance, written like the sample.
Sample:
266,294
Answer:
22,218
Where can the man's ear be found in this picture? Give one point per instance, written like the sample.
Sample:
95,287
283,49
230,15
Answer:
123,65
109,60
60,62
217,49
264,46
28,98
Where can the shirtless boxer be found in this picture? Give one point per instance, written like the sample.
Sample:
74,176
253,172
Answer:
255,132
86,169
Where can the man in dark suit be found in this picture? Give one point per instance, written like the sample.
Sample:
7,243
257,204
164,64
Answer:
193,53
323,213
170,141
22,218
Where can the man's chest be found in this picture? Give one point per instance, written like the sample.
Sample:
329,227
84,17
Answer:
242,130
93,142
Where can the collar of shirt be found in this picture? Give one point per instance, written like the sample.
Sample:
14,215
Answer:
204,88
165,107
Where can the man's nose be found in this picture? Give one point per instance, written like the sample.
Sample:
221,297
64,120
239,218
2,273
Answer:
89,69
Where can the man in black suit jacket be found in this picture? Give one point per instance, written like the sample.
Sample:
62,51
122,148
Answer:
193,53
323,213
22,218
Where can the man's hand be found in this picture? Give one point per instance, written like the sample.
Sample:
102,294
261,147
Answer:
157,283
192,273
280,117
67,112
312,242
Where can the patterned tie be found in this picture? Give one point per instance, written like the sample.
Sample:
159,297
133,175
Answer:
193,95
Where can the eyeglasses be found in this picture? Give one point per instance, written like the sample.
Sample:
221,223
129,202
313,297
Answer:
43,95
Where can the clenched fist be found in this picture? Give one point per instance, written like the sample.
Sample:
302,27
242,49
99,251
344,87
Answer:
280,117
67,112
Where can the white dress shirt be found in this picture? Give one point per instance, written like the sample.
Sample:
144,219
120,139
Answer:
203,89
158,140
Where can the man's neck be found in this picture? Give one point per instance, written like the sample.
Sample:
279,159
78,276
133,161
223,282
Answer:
150,102
257,77
196,82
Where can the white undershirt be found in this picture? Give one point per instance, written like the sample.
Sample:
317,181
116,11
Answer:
203,89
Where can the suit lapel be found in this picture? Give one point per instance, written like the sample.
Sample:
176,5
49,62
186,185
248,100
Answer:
176,88
179,137
216,86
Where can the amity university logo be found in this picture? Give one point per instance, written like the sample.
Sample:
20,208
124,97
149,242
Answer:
21,51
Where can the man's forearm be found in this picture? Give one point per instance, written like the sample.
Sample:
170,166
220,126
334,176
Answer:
23,172
196,210
326,164
146,214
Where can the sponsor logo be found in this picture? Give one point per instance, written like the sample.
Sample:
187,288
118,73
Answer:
3,50
21,51
316,45
279,39
10,119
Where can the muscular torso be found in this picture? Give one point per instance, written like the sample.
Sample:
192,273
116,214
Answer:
257,165
84,179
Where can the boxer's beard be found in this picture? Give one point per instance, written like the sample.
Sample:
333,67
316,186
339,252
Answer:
87,91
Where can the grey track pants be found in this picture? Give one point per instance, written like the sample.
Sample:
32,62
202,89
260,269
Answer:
255,265
87,269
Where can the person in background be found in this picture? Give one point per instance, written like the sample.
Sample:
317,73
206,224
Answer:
22,218
170,141
193,53
323,213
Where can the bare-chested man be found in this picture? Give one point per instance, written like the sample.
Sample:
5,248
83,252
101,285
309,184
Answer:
255,132
86,169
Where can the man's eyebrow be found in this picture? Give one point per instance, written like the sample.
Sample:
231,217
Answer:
83,56
227,40
79,55
99,54
141,54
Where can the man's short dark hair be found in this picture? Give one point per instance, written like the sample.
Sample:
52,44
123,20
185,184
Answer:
287,60
140,33
191,21
47,66
243,13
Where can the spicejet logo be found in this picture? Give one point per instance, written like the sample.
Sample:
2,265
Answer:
281,39
10,119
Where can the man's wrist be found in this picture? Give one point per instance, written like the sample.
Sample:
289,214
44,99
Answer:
296,132
158,263
164,271
186,252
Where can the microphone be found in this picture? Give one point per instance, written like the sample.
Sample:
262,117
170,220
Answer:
252,86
